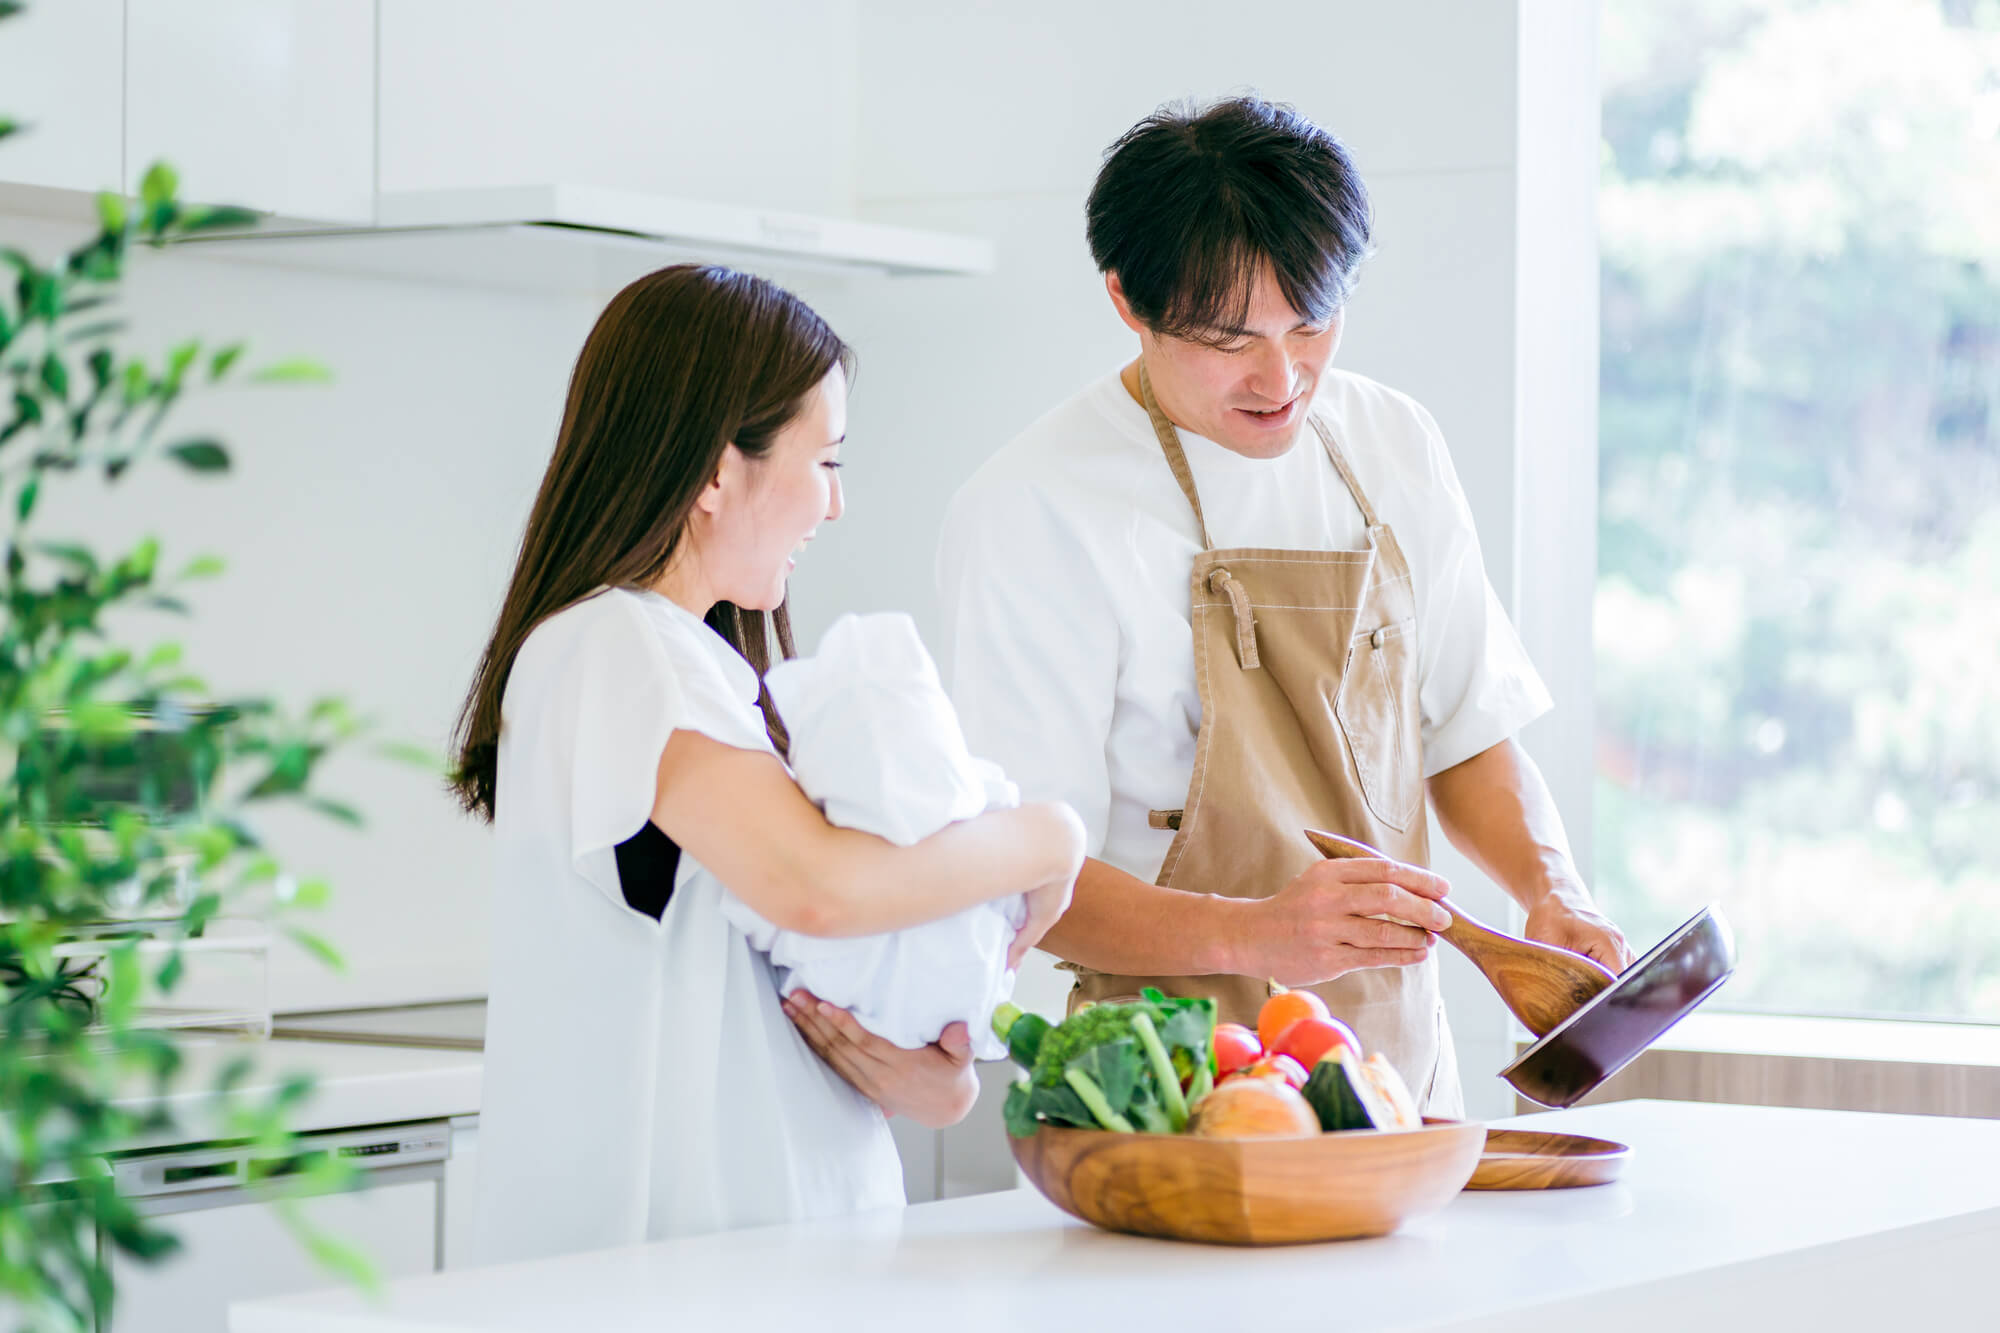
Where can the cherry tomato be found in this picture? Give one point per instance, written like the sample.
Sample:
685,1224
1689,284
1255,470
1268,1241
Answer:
1284,1009
1235,1047
1281,1067
1310,1038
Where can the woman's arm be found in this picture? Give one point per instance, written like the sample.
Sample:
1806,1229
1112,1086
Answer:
739,813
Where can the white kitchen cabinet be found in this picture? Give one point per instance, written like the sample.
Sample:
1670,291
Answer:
750,102
265,103
244,1251
60,68
456,1232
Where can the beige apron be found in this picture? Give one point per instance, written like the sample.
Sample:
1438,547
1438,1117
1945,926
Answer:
1306,665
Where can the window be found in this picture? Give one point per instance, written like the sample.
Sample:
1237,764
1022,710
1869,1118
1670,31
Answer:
1798,596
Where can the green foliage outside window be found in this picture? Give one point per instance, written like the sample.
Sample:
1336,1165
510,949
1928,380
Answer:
1798,607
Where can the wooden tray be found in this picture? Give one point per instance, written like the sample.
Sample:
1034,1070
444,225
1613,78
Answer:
1523,1159
1259,1192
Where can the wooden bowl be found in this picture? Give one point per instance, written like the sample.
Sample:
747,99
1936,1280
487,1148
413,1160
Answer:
1254,1192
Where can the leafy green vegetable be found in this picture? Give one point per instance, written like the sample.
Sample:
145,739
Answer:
1110,1066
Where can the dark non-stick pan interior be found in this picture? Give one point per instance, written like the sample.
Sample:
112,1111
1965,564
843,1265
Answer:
1630,1014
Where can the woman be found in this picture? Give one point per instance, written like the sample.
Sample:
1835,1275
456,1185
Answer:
642,1077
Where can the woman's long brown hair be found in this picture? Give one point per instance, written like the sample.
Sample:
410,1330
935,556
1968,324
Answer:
682,364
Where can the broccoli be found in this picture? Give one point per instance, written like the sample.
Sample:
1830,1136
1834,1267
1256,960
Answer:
1110,1066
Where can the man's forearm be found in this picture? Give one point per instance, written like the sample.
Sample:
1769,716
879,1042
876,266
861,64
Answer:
1118,923
1496,808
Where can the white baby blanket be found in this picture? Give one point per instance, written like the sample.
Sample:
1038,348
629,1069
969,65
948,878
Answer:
876,744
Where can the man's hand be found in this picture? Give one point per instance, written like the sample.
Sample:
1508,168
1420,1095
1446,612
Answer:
934,1086
1321,925
1568,919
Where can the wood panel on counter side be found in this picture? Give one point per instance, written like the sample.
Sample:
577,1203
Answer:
1746,1079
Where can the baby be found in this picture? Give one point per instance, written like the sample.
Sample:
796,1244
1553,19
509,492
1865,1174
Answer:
876,745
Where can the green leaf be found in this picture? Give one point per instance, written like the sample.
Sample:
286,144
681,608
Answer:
159,185
296,370
24,505
55,376
27,408
170,971
111,215
220,363
342,1261
7,125
201,455
178,360
336,810
102,720
407,752
314,893
1115,1067
202,567
218,217
318,947
163,655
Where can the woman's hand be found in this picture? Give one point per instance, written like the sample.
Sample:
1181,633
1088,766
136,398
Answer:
1048,901
934,1086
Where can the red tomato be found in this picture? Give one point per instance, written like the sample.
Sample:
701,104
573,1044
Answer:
1281,1067
1284,1009
1310,1038
1235,1047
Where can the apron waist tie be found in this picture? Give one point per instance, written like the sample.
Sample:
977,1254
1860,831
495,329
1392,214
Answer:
1222,581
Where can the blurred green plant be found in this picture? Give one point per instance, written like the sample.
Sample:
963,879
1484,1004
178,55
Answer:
125,787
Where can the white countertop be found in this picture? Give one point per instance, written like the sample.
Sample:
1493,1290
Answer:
356,1084
1729,1217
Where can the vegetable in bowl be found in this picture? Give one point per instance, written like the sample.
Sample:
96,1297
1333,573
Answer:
1128,1068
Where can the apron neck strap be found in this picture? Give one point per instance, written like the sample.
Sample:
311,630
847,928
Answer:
1340,465
1170,445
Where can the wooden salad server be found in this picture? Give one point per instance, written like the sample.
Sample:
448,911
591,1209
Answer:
1542,984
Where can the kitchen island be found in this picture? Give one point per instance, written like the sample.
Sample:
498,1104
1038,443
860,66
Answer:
1728,1217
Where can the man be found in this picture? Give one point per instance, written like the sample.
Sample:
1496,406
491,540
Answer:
1229,593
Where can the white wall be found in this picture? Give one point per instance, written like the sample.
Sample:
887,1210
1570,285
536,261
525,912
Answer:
368,527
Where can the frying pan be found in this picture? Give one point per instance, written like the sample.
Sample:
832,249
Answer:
1617,1024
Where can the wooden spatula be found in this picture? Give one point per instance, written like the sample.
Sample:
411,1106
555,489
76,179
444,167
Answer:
1542,984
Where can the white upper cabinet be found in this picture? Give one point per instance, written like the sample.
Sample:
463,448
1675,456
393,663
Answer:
265,103
60,62
637,95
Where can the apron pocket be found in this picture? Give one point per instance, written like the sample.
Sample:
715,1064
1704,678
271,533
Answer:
1377,709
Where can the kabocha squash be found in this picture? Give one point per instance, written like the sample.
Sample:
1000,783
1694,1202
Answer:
1347,1092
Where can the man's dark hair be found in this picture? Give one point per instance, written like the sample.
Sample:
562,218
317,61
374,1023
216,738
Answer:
1191,203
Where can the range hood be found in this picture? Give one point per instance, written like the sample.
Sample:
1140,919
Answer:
579,238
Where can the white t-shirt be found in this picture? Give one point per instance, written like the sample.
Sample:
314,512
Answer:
1064,577
641,1078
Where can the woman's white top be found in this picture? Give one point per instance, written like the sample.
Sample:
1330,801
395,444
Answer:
1063,573
876,745
641,1078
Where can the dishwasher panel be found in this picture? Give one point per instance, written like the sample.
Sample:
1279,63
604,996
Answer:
235,1245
